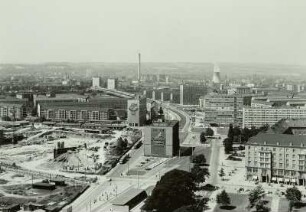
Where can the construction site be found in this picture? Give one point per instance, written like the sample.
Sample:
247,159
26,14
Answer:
51,166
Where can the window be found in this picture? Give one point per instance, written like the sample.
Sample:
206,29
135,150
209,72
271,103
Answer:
280,165
95,115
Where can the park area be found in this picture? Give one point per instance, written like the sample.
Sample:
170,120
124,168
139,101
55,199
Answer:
239,203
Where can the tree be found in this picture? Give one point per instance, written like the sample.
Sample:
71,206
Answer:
202,137
221,173
236,135
230,133
261,206
223,198
256,195
293,194
199,173
168,196
199,159
161,111
245,134
121,146
209,132
228,145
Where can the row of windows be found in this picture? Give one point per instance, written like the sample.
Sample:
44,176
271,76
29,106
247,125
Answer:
77,115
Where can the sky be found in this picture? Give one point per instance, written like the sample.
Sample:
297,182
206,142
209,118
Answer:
242,31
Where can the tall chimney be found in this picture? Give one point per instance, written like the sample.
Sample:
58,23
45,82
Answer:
139,60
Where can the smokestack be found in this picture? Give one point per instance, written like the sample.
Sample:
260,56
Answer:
139,60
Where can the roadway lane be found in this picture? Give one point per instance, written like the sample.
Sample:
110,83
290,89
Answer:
214,161
122,168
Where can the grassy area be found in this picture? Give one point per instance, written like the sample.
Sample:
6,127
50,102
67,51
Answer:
240,201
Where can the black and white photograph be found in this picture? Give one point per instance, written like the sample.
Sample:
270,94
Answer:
153,106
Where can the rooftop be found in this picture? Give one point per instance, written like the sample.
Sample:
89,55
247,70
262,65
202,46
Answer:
74,106
282,125
61,96
278,140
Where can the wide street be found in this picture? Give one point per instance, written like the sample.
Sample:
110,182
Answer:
99,195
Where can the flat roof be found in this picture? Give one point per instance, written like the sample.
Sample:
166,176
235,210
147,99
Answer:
74,106
278,140
127,196
61,96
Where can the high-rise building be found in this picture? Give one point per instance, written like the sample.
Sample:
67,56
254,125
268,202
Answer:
190,94
260,116
222,109
161,139
137,111
112,83
96,82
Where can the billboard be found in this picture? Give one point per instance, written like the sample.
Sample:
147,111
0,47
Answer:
158,141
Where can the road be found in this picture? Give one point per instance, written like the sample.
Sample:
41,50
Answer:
98,196
214,161
122,168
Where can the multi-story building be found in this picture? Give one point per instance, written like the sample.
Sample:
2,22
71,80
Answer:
260,116
222,109
13,110
96,82
161,139
79,111
261,104
276,158
60,98
190,93
112,83
137,111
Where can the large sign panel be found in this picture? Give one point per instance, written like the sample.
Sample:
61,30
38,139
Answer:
158,141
